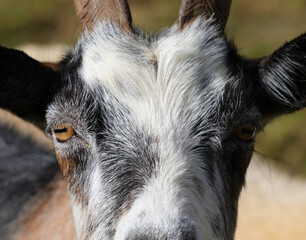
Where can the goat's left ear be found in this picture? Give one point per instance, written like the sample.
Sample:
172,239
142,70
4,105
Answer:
281,79
27,86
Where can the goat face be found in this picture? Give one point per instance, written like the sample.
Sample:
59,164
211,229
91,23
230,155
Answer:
154,134
155,148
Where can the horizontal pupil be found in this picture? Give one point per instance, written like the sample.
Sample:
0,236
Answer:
60,130
247,131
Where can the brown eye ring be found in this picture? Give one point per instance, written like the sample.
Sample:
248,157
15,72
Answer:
63,132
246,132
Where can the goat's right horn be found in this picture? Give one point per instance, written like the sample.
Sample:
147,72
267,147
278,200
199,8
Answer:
191,9
116,11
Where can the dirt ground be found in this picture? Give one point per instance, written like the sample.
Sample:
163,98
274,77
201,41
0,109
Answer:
272,205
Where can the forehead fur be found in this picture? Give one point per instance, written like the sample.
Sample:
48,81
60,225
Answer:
161,78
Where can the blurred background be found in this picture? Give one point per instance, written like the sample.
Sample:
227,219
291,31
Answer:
257,27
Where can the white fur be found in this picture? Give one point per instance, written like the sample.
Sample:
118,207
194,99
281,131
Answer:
159,85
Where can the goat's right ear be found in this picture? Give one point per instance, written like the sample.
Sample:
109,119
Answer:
26,85
281,80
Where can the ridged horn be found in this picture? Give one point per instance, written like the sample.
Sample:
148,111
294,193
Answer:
115,11
191,9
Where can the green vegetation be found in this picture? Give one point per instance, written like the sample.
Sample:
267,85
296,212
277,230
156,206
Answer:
258,27
36,21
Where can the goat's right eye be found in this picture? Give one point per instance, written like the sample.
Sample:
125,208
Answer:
246,132
63,132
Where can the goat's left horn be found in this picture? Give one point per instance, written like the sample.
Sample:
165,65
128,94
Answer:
191,9
115,11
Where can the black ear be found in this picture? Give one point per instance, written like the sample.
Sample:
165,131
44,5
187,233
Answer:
26,85
281,79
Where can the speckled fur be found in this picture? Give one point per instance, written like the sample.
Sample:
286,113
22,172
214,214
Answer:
155,154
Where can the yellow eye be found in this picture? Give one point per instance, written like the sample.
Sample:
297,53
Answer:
246,132
63,132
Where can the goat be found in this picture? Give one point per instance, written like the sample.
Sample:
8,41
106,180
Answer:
153,134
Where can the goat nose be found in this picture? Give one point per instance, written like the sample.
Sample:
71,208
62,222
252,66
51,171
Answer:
150,235
188,236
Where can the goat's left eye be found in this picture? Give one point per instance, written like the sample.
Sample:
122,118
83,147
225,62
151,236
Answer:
63,132
246,132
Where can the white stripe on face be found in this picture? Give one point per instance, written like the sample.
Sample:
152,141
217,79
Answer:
167,86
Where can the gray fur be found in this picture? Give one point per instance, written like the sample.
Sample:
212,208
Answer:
156,152
192,102
25,168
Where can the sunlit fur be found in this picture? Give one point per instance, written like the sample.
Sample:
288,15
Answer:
161,128
154,133
158,81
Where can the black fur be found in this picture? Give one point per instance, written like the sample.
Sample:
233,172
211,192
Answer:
26,85
127,154
287,67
